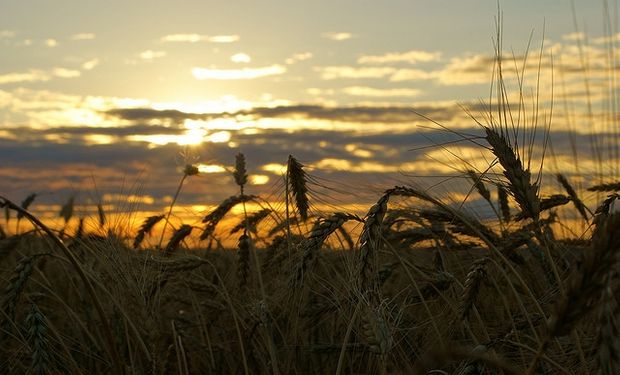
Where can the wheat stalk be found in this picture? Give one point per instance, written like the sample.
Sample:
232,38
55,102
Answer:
573,196
214,217
145,228
243,261
546,203
321,229
609,333
613,186
66,211
252,221
240,174
502,198
37,338
297,180
178,236
519,179
586,285
479,185
476,274
16,285
369,241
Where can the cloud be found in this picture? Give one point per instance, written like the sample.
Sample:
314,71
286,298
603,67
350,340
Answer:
194,38
240,58
467,70
83,36
90,64
235,74
334,72
151,55
576,36
65,73
51,43
411,57
298,57
411,75
353,114
29,76
35,75
337,36
7,34
223,38
380,93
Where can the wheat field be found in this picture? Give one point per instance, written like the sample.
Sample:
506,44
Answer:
413,285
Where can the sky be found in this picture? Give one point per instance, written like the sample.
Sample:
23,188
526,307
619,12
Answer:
109,100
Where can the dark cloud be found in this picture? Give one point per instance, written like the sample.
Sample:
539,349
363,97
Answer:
359,114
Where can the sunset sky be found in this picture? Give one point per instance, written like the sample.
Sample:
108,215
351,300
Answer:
111,99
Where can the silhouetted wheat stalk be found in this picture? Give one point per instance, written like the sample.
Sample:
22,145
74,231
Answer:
145,228
37,338
573,196
297,181
321,229
519,179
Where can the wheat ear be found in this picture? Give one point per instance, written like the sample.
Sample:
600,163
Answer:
297,180
519,179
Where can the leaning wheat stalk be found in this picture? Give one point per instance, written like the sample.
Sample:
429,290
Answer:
321,229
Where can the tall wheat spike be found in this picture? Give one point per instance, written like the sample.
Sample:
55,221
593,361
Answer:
519,179
370,240
298,186
240,174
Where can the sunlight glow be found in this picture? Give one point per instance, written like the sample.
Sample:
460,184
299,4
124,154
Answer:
274,168
233,74
259,179
99,139
210,168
